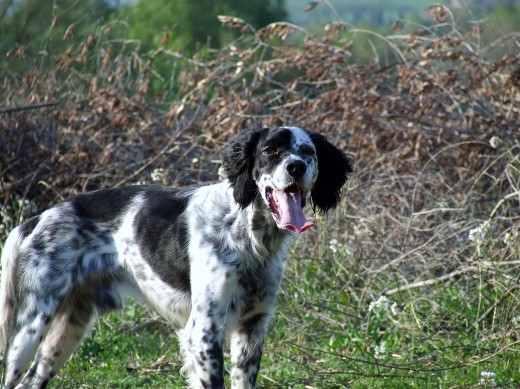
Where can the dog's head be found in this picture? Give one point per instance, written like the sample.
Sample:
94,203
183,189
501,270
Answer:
282,166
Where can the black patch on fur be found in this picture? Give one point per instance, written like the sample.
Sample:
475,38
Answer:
239,160
82,312
28,226
32,371
278,142
46,318
333,170
100,206
249,325
162,235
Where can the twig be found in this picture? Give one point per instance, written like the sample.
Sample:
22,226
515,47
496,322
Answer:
502,201
431,281
30,106
325,318
142,325
484,265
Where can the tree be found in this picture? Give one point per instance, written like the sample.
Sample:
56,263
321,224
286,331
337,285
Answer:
40,26
188,24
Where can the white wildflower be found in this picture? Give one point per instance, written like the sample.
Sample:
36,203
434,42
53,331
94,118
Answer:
478,234
333,245
380,350
510,238
495,142
487,378
158,175
515,320
381,303
6,216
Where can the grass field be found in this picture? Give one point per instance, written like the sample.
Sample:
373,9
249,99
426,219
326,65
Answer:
432,337
412,283
321,337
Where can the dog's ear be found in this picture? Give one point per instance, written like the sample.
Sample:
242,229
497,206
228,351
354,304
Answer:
333,170
239,159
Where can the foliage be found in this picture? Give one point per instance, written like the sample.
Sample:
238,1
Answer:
505,18
41,30
413,282
189,25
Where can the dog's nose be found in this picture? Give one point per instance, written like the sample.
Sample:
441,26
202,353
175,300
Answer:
296,168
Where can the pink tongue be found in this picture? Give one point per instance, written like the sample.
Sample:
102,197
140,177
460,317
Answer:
291,212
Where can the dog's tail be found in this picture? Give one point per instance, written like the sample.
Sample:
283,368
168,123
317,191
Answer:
7,283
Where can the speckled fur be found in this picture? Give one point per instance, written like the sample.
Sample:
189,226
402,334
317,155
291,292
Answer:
209,260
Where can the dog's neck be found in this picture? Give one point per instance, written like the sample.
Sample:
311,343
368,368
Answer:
268,239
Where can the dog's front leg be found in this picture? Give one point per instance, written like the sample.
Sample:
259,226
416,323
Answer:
213,286
247,341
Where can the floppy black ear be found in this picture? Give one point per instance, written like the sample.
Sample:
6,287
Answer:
239,159
333,170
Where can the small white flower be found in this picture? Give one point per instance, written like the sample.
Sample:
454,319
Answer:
157,175
381,303
510,238
380,350
515,320
478,234
495,142
333,245
487,377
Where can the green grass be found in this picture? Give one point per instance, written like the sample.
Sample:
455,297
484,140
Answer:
332,328
119,354
325,335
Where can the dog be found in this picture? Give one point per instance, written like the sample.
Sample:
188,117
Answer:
209,259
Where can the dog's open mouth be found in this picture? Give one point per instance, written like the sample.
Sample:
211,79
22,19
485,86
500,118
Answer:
287,208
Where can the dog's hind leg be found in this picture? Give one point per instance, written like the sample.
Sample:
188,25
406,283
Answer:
30,323
64,335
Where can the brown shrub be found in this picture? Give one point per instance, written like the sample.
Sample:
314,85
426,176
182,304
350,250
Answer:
417,124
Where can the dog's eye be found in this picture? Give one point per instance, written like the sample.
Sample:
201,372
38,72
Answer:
307,150
270,150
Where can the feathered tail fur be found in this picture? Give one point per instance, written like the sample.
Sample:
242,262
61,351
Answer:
7,292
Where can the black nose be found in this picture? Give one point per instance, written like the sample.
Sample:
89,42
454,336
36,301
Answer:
296,168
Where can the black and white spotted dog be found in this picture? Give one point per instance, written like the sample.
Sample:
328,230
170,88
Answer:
209,259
